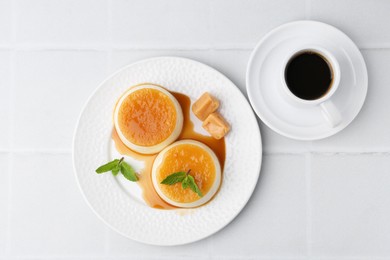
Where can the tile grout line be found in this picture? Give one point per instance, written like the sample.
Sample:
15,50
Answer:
11,150
8,207
309,225
36,151
12,84
127,47
211,23
329,153
262,257
378,152
107,241
286,152
110,38
210,246
108,70
109,61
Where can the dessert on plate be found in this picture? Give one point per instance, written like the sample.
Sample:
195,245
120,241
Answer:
148,118
191,158
182,168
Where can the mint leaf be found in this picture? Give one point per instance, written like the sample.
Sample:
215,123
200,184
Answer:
128,172
174,178
193,186
119,165
184,183
108,166
116,170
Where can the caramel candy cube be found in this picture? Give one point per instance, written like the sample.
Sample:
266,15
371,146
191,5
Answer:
204,106
216,125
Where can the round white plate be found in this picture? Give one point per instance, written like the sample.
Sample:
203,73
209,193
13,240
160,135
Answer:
264,78
118,203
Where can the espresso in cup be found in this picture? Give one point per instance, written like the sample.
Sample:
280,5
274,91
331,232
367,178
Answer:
308,75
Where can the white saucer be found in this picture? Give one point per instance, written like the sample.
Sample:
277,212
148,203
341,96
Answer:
263,80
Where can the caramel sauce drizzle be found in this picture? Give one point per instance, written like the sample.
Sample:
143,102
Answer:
145,176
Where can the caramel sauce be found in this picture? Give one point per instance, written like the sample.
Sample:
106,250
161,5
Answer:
218,146
145,176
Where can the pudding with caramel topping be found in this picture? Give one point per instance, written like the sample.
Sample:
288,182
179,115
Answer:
148,118
197,160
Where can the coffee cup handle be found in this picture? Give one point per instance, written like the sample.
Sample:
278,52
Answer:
331,113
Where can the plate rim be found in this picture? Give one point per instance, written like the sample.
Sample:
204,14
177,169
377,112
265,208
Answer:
249,72
120,70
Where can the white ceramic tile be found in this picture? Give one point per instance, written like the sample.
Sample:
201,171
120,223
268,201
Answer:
121,58
276,143
370,129
161,23
232,63
5,87
57,21
49,217
4,162
123,247
5,21
366,22
243,23
273,222
51,89
350,205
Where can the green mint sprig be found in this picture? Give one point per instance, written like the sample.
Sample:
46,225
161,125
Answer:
186,181
116,166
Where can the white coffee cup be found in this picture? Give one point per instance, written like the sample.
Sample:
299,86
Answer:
329,110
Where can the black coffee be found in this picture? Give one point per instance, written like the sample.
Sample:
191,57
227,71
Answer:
308,75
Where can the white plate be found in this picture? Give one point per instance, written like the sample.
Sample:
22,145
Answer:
264,78
118,203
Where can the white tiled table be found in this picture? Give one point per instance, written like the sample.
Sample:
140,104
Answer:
327,199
